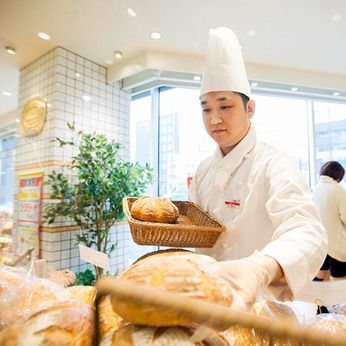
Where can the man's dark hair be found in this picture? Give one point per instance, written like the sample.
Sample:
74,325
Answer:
333,169
244,98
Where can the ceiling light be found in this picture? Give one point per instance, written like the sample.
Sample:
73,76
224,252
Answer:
197,78
86,98
43,36
131,12
254,84
336,17
336,93
17,120
6,93
109,62
118,54
155,35
10,50
77,74
251,33
294,89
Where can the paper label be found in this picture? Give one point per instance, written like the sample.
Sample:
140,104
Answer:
94,257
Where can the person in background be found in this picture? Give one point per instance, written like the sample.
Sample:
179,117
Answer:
274,234
330,198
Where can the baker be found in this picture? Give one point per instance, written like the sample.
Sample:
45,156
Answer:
273,229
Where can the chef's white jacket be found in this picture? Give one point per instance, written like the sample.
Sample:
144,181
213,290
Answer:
330,199
263,200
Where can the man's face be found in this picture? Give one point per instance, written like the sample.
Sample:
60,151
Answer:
225,118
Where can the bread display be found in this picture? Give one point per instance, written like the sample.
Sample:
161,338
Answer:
20,295
63,323
186,273
109,321
63,277
131,335
84,294
153,209
277,311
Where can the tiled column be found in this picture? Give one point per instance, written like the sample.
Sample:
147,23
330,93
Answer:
76,91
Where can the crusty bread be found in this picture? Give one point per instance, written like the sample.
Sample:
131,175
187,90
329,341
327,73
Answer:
19,295
240,336
153,209
65,323
131,335
186,273
109,321
84,294
280,311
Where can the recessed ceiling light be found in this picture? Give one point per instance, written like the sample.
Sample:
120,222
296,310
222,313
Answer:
336,93
6,93
197,78
118,54
155,35
294,89
86,98
109,62
10,50
77,74
131,12
336,17
43,36
254,84
17,120
251,33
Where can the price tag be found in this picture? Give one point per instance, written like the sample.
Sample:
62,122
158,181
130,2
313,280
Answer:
94,257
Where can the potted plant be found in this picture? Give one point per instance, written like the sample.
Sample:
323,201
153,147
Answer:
94,201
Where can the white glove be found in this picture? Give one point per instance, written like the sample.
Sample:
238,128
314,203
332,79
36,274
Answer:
248,275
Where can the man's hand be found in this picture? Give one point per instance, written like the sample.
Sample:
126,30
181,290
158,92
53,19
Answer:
248,275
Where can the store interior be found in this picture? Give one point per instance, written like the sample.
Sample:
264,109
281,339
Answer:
124,75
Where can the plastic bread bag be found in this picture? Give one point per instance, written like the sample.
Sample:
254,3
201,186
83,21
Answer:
22,293
329,323
338,309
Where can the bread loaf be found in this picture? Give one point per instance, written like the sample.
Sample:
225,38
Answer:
109,321
278,311
131,335
61,324
20,295
153,209
186,273
84,294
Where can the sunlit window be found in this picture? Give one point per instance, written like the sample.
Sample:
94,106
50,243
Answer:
282,122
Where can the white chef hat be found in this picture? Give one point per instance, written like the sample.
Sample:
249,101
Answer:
224,69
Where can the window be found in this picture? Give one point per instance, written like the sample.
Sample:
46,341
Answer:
7,150
183,141
329,132
283,122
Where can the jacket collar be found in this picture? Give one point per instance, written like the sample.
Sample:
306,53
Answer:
226,165
327,179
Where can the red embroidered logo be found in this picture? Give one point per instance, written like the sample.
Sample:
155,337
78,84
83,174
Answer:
233,203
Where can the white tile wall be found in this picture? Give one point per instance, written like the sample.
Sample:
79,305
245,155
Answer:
64,78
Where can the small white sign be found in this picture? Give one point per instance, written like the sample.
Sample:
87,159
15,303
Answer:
94,257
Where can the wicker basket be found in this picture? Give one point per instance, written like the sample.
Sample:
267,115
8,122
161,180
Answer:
195,228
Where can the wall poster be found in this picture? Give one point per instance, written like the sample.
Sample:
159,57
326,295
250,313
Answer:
29,212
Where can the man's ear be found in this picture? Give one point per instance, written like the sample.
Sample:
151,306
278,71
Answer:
250,108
